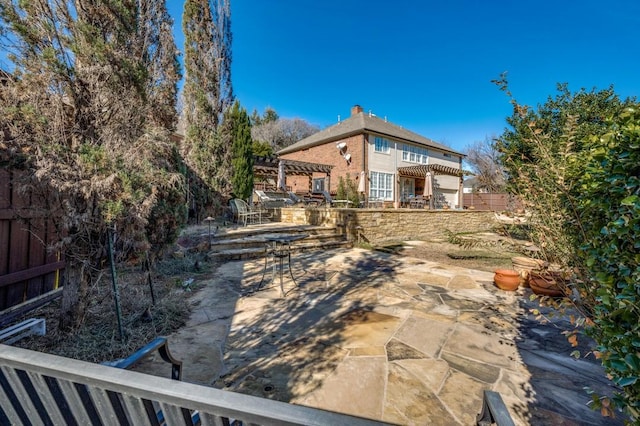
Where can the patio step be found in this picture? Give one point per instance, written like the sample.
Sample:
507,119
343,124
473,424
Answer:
249,242
258,240
256,252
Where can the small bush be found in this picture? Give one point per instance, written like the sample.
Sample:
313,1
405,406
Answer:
348,190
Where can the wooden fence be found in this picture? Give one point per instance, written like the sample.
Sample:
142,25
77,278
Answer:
28,271
490,201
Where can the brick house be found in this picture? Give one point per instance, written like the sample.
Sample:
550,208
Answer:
394,161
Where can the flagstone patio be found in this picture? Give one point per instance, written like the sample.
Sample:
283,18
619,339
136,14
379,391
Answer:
392,338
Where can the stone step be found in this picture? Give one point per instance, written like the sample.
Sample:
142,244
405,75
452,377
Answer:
259,241
250,241
270,228
254,231
253,252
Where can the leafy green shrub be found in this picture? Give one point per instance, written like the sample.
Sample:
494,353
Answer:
575,162
348,190
608,209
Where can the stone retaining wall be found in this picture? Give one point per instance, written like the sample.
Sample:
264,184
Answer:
374,226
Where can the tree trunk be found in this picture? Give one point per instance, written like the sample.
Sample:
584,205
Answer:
74,301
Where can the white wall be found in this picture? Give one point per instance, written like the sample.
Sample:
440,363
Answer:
449,186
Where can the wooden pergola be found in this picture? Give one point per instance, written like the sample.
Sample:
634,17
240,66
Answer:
267,167
419,173
435,169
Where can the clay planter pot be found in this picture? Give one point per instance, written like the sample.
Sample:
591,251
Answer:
546,283
525,265
507,279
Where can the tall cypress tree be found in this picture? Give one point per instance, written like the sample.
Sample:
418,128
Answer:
223,39
207,93
161,59
242,153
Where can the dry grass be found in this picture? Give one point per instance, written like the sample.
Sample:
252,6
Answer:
485,259
98,339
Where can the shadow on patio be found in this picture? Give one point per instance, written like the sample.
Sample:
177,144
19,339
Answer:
285,348
382,336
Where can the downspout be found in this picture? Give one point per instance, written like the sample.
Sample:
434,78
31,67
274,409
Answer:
396,185
461,187
433,195
365,167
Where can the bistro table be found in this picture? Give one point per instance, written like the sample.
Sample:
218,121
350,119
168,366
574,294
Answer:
279,248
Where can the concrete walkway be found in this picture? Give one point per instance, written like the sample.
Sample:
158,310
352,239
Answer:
397,339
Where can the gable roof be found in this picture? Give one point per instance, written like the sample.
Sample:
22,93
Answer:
364,123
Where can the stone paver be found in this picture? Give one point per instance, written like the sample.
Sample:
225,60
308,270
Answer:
356,387
391,338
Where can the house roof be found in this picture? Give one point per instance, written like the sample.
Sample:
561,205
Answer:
364,123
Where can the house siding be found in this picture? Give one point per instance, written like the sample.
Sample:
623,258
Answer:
446,187
436,157
328,153
322,148
381,161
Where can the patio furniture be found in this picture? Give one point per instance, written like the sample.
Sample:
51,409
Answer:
295,199
315,199
334,203
245,212
494,411
417,202
269,201
375,203
279,248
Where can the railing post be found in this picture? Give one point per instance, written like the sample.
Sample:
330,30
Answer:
493,411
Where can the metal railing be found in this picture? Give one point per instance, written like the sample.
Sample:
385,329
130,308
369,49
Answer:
494,412
159,344
39,388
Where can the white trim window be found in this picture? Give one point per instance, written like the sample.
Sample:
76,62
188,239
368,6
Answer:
381,186
382,145
415,154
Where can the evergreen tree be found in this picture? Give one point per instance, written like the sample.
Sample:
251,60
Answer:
161,57
223,39
77,110
242,157
207,93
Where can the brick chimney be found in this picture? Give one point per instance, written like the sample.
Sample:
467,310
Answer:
355,110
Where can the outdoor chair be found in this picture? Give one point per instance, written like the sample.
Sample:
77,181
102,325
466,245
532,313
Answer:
270,202
295,199
334,203
245,212
417,202
374,203
307,200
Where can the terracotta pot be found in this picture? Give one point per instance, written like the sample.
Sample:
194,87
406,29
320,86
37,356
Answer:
507,279
546,283
525,265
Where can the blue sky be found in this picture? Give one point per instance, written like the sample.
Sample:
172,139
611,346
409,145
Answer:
427,65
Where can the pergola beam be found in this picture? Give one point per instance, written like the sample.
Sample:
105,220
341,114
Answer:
435,169
268,166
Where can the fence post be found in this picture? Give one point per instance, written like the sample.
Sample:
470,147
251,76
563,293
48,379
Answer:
116,293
